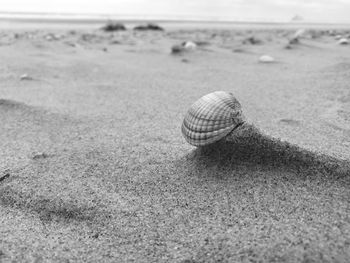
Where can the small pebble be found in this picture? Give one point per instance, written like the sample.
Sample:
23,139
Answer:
40,156
189,45
49,38
72,44
177,49
26,77
252,40
338,37
96,235
266,59
6,175
238,50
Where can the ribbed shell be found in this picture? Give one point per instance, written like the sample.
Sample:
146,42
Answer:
211,118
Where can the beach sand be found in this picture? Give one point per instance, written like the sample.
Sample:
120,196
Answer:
95,168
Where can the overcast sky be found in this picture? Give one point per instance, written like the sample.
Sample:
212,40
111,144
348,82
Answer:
256,10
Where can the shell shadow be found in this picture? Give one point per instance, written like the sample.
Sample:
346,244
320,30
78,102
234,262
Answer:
249,147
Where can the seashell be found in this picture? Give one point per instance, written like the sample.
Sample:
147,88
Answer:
343,41
211,118
49,37
25,77
266,59
338,37
296,36
189,45
299,33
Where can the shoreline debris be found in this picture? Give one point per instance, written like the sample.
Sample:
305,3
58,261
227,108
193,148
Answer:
149,26
113,26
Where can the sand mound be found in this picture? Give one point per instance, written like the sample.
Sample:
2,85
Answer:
251,147
47,208
11,104
28,132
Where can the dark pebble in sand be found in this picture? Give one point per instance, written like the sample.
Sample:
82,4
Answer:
2,178
202,43
290,121
188,261
115,42
177,49
72,44
40,156
252,40
238,50
95,235
294,41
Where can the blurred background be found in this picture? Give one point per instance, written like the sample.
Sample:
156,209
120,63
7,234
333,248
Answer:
280,11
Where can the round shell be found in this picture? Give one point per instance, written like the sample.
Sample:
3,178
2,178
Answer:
189,45
343,41
266,59
211,118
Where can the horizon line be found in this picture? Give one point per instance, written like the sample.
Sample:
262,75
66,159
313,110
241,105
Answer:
23,15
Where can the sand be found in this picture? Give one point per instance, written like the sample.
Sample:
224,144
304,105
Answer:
96,169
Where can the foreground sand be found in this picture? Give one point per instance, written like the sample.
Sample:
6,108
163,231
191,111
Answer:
98,169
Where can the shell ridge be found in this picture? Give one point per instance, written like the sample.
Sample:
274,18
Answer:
207,118
208,128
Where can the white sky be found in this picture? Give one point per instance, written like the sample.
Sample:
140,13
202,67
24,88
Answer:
262,10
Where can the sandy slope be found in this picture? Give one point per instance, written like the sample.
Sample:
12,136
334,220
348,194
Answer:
99,170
